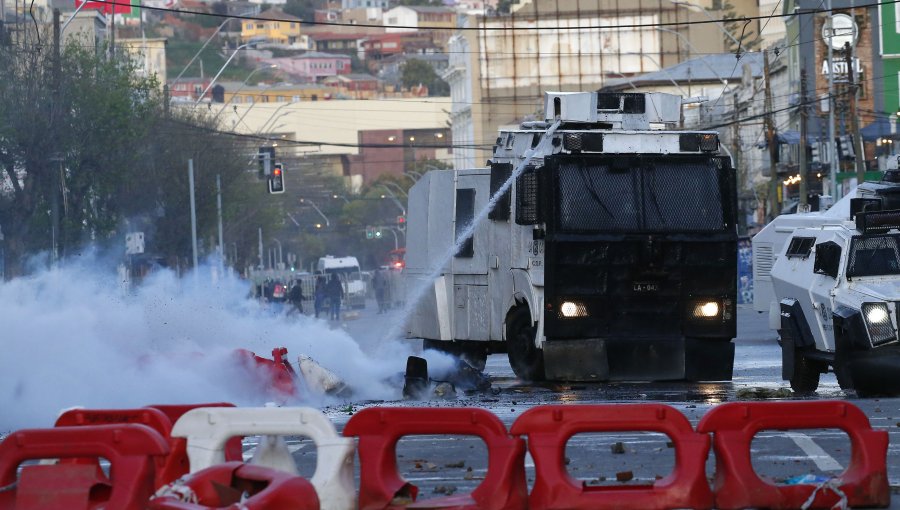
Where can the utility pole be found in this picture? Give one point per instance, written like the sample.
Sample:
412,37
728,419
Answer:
57,161
741,174
773,147
219,210
193,211
831,147
262,264
854,120
804,163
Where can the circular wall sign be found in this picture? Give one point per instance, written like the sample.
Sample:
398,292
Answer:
840,29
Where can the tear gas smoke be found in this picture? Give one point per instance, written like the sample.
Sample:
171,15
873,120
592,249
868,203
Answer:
72,337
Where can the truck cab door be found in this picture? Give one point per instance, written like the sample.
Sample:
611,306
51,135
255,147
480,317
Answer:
469,265
821,293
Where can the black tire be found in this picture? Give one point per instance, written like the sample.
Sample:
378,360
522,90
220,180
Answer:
806,374
527,361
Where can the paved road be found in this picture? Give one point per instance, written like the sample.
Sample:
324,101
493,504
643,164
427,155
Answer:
441,464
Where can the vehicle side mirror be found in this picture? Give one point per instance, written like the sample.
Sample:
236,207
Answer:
828,259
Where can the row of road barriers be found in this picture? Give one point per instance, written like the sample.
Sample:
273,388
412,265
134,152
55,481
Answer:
187,458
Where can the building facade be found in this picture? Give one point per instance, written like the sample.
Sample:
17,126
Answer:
399,151
438,22
513,62
273,25
808,62
312,66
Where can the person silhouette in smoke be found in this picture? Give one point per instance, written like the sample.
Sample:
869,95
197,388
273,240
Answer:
335,292
319,294
295,296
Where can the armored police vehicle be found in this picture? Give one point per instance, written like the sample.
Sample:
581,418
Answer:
608,253
831,284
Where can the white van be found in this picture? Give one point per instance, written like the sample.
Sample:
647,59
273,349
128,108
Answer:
347,268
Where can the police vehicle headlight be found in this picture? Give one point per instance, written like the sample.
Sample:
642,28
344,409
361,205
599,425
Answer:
707,310
572,309
878,323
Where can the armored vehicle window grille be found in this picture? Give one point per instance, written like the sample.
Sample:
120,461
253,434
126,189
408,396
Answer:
500,173
528,198
762,261
669,197
873,256
682,197
800,247
597,198
465,214
630,102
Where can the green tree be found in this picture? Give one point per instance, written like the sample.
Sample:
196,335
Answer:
303,9
96,137
418,72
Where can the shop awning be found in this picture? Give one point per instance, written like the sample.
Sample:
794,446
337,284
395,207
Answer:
881,128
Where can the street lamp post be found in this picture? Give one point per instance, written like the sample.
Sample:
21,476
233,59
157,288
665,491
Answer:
396,187
278,259
216,77
314,206
205,44
243,84
394,199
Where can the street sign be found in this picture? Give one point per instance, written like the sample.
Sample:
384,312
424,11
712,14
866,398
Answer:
134,243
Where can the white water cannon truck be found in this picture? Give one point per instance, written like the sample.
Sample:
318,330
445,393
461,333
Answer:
830,282
609,251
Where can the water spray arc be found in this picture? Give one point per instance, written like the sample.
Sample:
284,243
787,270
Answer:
416,295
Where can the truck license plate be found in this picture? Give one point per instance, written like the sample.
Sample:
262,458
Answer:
646,287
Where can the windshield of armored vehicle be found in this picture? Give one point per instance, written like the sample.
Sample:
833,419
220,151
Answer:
873,256
655,197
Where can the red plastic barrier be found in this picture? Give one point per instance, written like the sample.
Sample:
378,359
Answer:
158,417
379,429
737,485
549,428
129,448
167,468
276,375
222,486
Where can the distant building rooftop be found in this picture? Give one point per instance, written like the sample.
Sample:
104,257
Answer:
715,67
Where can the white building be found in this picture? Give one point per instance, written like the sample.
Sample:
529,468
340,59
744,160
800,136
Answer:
459,76
362,4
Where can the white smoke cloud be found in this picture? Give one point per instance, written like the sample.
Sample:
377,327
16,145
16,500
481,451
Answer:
71,337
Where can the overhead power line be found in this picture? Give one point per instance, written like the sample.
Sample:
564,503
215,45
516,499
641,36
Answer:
541,28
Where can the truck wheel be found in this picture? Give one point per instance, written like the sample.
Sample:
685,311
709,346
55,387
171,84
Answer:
806,374
527,361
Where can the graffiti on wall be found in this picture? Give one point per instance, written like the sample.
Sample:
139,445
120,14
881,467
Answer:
745,271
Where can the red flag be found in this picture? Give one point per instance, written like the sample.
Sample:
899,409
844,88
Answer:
119,7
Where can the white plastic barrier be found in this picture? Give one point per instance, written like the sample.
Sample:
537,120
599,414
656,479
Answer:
207,429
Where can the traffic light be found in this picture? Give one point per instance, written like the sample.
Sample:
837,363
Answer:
370,233
266,157
845,147
401,222
814,153
276,180
378,233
